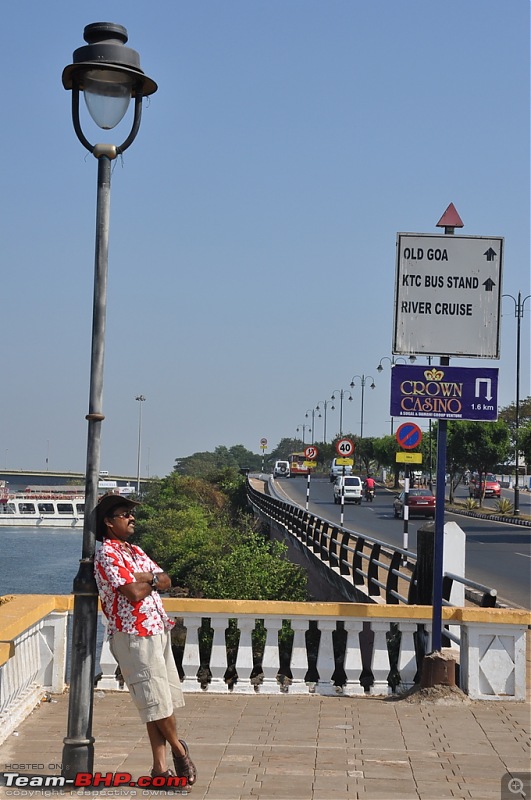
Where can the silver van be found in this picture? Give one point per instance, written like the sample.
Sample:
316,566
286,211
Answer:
337,469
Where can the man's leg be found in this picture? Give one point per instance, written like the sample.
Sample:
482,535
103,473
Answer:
160,732
158,748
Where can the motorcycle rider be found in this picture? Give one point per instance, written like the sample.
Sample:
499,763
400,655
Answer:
369,486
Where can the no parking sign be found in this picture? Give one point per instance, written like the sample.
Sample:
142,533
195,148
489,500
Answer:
409,435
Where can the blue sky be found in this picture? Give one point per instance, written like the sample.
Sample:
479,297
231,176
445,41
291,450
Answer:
254,219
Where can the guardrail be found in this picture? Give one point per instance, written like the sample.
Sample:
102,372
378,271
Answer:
379,570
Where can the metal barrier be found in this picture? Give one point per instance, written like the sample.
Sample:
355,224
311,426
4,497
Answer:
370,565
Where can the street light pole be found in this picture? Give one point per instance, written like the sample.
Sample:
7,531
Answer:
342,392
307,415
303,426
109,74
325,406
141,399
363,379
392,362
519,313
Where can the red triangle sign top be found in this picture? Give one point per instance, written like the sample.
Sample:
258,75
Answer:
450,218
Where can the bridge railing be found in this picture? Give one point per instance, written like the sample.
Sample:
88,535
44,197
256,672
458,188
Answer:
255,647
384,573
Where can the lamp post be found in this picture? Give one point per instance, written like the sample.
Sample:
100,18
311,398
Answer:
311,411
109,74
392,362
141,399
342,393
303,426
518,313
363,379
325,404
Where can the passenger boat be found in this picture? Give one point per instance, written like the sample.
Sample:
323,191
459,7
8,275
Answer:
42,509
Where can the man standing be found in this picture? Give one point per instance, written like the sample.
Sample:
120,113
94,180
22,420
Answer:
139,631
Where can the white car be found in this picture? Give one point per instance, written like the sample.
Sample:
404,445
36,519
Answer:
352,487
281,469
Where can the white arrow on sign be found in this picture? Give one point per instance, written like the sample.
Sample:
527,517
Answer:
479,381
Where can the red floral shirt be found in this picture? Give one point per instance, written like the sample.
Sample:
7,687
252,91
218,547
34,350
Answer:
114,565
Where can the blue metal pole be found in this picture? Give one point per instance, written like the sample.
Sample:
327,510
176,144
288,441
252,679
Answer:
440,496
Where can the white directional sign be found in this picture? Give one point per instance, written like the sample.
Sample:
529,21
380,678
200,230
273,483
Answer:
448,295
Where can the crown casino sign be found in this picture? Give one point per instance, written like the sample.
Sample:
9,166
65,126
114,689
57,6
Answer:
444,392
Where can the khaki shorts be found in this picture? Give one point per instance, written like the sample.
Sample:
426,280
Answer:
148,668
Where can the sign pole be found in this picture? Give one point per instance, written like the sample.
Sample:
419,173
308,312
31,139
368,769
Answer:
310,456
440,497
406,508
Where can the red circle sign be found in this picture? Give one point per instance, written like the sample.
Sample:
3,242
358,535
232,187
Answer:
310,453
345,447
409,435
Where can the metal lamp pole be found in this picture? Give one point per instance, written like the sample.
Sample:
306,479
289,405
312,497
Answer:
141,399
303,426
307,415
392,362
363,379
325,406
342,392
109,74
519,313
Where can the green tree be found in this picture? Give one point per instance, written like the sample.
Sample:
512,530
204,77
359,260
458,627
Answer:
204,464
385,450
196,530
366,453
525,443
480,446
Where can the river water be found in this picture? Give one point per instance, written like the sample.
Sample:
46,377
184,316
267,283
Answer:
39,561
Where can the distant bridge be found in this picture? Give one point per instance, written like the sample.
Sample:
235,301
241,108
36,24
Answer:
26,477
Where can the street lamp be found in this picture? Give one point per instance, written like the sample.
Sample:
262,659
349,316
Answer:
325,404
141,399
392,362
363,379
518,313
342,393
303,426
311,411
109,74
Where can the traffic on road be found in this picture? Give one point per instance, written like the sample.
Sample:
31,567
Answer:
498,554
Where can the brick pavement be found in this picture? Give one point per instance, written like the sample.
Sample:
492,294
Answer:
285,747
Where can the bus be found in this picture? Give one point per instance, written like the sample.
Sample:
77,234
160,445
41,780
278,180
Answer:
296,464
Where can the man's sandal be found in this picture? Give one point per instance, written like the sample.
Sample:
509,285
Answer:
184,766
167,774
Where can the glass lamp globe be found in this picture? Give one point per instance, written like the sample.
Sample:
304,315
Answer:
107,94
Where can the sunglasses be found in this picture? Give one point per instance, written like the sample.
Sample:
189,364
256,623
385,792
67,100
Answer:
124,514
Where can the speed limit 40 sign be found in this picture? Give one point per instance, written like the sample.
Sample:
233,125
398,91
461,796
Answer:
344,448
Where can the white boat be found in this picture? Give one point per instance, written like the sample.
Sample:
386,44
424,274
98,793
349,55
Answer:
29,510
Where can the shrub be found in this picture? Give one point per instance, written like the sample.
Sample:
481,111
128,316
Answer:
471,504
504,506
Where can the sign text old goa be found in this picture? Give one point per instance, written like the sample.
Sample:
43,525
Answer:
448,295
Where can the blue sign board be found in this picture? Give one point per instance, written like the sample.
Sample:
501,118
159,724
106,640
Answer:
439,392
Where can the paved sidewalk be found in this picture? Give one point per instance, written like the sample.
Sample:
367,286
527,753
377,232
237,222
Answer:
297,747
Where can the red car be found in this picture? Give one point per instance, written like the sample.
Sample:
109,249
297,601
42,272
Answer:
492,487
421,504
